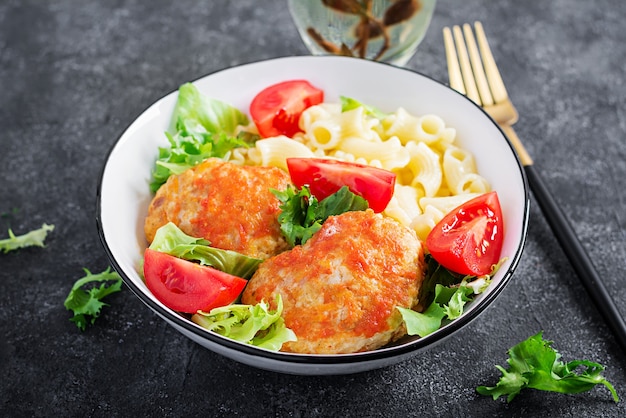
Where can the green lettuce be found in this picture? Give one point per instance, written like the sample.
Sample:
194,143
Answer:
251,324
303,215
85,298
200,113
348,103
448,303
171,240
200,128
444,295
36,237
534,364
435,274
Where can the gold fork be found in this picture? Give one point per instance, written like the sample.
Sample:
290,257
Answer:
480,80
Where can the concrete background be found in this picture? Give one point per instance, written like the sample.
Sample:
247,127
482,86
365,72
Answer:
74,75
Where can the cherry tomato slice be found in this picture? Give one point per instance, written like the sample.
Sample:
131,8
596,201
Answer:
185,286
276,110
325,176
468,240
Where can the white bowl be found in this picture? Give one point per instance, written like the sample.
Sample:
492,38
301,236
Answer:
124,195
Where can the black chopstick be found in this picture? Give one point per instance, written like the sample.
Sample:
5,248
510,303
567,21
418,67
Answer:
577,255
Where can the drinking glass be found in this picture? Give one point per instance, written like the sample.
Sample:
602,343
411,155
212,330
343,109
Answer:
380,30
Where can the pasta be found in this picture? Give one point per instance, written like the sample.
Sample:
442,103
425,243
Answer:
428,128
404,205
390,154
433,174
322,125
460,172
426,172
275,151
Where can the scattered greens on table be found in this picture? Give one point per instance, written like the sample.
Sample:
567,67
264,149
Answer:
201,127
534,364
36,237
86,304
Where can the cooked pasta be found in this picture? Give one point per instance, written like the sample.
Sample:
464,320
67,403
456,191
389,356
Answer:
434,175
433,211
427,128
322,125
391,154
275,151
460,172
404,206
426,172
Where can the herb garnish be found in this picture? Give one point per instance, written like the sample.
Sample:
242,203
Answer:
87,304
534,364
303,215
35,237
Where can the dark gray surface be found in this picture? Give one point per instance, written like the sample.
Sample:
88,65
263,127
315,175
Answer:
74,74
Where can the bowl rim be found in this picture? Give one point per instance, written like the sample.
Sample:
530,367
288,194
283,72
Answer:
385,352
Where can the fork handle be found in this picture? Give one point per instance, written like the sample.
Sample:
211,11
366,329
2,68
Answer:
523,155
577,255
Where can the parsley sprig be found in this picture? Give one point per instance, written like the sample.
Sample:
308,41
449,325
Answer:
534,364
303,215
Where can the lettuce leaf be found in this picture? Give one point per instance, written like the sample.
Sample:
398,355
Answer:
453,300
303,215
435,274
200,113
36,237
422,323
348,103
251,324
448,303
87,304
171,240
534,364
201,127
444,295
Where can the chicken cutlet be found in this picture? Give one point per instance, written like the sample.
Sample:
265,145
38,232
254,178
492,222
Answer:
341,288
229,205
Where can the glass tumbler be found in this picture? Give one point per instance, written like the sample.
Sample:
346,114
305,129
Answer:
380,30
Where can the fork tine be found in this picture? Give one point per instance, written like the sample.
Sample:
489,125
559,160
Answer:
466,68
491,69
477,66
454,71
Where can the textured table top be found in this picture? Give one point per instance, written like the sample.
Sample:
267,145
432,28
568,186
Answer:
75,74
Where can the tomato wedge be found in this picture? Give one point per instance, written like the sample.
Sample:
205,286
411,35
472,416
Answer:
325,176
276,110
185,286
468,240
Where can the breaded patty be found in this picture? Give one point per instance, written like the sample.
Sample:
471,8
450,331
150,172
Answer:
341,288
229,205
